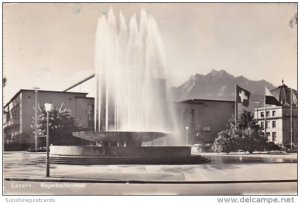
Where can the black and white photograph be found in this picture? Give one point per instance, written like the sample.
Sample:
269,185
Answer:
150,99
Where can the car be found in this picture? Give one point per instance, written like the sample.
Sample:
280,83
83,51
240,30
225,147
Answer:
196,147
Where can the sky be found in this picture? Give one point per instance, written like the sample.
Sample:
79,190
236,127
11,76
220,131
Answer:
51,45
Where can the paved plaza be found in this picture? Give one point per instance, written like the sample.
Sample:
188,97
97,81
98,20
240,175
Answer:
25,172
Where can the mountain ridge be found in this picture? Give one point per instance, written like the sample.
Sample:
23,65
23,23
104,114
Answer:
219,85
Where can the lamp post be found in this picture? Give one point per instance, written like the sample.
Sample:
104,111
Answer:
48,107
35,119
186,135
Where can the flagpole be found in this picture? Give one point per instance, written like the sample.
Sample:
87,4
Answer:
235,109
265,117
291,119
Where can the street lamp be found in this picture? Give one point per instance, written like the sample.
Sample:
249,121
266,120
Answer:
48,108
35,119
186,134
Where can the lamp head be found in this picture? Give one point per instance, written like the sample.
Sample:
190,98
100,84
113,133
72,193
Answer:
36,89
48,107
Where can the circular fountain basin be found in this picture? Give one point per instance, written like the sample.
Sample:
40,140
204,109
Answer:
132,153
132,138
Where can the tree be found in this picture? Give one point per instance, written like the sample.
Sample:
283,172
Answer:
246,136
250,134
225,142
61,126
247,121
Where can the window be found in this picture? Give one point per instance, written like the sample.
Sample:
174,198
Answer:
15,112
273,136
267,124
90,116
262,114
273,113
192,116
90,112
268,134
273,124
268,113
8,117
262,124
206,129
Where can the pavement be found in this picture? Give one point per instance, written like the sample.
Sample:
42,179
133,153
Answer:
66,188
22,168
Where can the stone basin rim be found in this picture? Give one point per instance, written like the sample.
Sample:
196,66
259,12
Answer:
140,136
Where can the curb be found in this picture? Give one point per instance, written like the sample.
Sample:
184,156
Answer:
72,180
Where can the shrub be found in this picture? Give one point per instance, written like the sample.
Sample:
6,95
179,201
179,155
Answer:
225,142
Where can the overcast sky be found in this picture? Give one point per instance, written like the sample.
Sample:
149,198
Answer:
51,45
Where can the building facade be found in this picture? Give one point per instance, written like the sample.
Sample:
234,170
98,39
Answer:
19,112
201,120
279,123
198,121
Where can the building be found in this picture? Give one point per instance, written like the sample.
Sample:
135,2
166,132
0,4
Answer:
19,112
277,123
201,120
279,119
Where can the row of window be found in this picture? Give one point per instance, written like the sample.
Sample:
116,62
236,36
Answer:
14,113
274,136
262,114
262,124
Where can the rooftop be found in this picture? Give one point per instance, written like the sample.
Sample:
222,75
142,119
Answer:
198,101
47,91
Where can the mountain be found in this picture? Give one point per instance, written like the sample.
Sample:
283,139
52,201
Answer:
218,85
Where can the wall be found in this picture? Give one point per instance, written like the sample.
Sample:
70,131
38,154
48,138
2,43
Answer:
202,120
84,112
287,125
12,122
282,118
136,152
73,101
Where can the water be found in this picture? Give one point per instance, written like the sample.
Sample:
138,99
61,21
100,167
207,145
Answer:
221,160
130,75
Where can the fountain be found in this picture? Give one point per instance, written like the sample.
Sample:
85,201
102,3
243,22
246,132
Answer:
132,117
